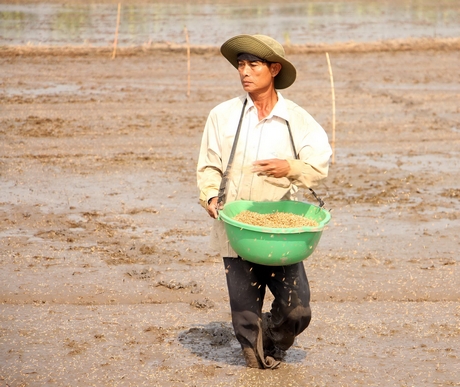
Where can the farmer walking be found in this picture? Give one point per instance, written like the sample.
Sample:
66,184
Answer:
273,147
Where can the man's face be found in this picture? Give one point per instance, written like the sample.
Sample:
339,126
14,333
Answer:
257,76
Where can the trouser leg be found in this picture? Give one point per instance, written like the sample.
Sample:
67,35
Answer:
246,300
290,314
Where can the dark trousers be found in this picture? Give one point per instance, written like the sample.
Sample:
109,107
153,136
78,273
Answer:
290,311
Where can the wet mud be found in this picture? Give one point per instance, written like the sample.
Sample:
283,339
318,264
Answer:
106,275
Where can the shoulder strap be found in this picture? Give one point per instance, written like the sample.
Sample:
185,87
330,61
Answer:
222,193
292,140
320,201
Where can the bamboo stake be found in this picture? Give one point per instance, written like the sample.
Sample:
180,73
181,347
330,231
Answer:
188,61
115,42
333,107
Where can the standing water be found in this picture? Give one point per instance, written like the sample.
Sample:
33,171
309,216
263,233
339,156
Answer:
208,22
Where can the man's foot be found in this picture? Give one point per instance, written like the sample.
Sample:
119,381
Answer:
271,363
270,349
251,358
275,353
253,361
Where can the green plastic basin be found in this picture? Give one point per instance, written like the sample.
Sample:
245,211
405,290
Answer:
273,246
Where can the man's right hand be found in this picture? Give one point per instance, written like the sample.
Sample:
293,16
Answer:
212,208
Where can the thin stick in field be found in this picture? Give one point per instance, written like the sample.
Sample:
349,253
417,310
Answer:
333,107
188,61
115,42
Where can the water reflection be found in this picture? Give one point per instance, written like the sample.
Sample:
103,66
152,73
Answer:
70,21
210,23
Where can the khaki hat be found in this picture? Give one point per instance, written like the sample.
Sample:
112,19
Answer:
264,47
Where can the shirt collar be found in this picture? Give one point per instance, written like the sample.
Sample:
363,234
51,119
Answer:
280,110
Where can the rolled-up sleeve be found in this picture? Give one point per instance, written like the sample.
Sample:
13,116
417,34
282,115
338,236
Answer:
209,167
313,148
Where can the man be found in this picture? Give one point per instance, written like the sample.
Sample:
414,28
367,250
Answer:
270,146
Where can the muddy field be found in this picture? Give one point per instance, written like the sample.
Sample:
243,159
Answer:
106,277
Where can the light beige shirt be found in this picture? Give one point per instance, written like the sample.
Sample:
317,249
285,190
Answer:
259,140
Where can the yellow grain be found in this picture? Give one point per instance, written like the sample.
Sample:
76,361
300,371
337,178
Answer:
275,220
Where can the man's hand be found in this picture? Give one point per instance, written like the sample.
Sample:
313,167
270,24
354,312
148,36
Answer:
212,208
271,168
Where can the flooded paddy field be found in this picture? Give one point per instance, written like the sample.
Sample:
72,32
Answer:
93,23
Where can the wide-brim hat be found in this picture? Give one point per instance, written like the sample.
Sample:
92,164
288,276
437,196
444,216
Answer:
265,48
